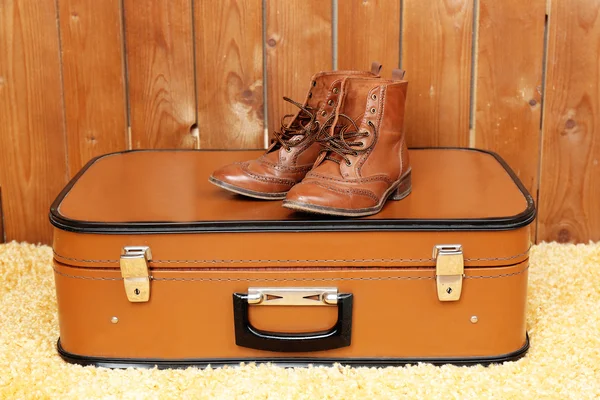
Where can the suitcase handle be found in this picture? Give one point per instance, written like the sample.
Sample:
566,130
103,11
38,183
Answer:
248,336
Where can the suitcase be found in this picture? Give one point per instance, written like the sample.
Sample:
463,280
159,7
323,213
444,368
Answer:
154,266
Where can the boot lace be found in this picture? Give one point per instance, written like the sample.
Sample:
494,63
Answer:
340,141
304,124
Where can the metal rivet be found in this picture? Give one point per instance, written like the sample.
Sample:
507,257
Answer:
114,320
474,319
336,90
373,110
330,102
449,290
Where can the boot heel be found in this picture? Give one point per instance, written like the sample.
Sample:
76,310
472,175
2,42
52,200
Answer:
404,188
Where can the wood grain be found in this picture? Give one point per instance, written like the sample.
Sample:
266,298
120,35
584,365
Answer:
160,69
94,79
510,55
33,166
436,54
569,208
298,45
358,46
229,55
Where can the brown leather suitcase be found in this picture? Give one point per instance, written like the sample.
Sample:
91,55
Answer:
155,266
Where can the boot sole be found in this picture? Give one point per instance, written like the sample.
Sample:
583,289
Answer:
402,186
247,192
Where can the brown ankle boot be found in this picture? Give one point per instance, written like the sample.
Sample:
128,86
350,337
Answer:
294,150
364,158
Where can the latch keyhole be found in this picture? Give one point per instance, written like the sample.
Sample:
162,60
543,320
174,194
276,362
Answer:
449,290
137,291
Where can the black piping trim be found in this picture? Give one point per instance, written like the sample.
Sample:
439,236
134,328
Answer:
309,224
106,362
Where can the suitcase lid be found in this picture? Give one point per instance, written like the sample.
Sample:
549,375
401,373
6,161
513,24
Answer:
167,191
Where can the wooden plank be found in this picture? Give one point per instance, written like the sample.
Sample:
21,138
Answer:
2,237
94,79
298,45
508,88
33,166
229,54
160,69
436,54
358,46
570,172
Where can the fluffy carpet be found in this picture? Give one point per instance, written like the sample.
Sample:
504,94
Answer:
563,362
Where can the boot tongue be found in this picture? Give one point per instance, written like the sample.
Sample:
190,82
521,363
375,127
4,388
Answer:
332,164
316,99
351,104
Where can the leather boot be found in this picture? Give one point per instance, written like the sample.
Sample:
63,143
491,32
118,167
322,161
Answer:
293,150
364,159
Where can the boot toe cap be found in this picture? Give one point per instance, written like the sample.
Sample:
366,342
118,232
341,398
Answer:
237,178
232,174
315,196
307,193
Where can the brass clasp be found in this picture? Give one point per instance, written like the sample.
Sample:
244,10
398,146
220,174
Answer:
134,270
449,271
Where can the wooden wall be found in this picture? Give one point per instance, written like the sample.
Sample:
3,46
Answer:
80,78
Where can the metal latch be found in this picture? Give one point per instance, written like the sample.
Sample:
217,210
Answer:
293,296
134,269
449,271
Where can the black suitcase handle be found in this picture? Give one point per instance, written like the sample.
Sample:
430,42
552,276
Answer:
248,336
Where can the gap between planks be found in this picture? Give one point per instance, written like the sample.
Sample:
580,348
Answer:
542,114
265,77
334,34
474,71
194,128
62,99
125,67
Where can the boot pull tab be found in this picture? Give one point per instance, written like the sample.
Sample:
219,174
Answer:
398,74
376,68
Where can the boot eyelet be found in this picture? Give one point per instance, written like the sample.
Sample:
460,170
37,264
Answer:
314,83
288,149
373,110
330,103
310,95
323,113
336,90
374,96
349,163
